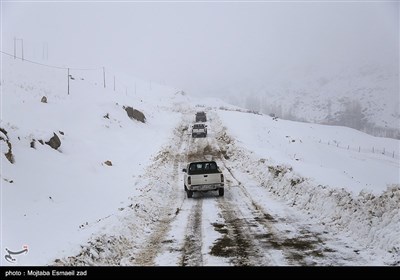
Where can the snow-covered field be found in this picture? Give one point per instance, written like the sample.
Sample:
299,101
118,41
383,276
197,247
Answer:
290,198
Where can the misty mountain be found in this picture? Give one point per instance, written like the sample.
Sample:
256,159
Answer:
366,99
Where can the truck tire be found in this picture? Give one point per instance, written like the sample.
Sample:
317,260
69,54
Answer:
185,188
189,194
221,192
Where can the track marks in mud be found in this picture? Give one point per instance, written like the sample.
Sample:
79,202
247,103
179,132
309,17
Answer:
234,243
191,251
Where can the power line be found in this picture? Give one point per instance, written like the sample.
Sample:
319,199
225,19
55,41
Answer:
52,66
68,69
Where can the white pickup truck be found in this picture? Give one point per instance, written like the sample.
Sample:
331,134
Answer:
199,130
203,176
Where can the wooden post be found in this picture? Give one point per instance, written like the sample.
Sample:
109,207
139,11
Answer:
104,77
68,81
373,151
383,150
22,47
393,154
359,148
348,147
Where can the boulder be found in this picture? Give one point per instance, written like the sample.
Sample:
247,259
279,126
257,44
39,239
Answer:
54,142
135,114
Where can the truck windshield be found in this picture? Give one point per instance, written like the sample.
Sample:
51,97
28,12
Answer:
203,167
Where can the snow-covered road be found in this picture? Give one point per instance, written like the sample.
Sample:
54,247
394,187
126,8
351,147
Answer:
247,226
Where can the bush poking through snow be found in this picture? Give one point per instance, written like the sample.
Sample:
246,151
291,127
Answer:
108,162
44,99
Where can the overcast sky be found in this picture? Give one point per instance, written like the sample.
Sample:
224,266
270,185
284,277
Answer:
206,47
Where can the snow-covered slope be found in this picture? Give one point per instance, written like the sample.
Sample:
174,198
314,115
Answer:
48,196
366,99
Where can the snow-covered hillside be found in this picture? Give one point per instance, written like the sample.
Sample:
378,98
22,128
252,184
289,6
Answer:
49,196
112,194
366,99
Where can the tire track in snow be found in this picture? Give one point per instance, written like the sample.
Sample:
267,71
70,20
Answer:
238,243
163,243
241,241
191,251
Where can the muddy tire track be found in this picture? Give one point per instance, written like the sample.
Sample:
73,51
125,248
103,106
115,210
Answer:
264,227
191,251
237,242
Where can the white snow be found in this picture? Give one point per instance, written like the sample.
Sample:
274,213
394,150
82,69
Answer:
54,195
68,202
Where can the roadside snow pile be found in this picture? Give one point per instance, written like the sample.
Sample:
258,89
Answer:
371,219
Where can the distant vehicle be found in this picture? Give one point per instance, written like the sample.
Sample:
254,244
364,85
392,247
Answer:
199,130
203,177
201,117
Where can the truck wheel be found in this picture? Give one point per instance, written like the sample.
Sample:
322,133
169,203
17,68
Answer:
221,192
185,188
189,194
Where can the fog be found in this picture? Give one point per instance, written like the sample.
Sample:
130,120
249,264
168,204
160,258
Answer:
204,47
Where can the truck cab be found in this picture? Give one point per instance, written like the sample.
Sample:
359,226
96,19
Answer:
203,176
201,117
199,130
